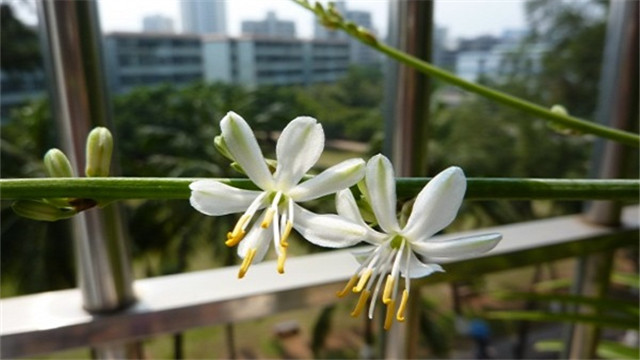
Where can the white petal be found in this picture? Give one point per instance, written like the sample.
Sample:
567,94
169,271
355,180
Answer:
417,268
437,204
327,230
333,179
258,238
214,198
381,184
298,149
244,147
347,208
457,248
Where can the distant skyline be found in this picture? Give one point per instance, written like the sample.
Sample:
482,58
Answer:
462,18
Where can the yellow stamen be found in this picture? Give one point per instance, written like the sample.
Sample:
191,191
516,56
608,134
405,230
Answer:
240,224
388,286
348,287
268,217
234,239
246,262
362,301
285,234
281,258
363,281
235,236
388,320
403,305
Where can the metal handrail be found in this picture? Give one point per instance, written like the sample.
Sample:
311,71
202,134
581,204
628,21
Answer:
55,321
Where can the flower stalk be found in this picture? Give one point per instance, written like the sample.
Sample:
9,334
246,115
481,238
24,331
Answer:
123,188
564,120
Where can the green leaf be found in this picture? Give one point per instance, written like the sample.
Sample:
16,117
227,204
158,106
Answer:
613,350
630,307
597,320
626,279
549,346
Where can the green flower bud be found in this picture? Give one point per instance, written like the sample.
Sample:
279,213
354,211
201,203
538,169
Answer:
559,109
57,164
221,146
37,210
99,149
559,128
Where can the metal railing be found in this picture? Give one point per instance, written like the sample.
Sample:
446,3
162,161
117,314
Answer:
55,321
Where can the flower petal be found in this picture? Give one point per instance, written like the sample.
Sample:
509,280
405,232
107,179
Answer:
327,230
333,179
381,183
437,204
298,149
457,248
242,144
417,268
258,238
347,208
214,198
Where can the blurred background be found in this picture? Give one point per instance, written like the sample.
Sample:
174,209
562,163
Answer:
174,68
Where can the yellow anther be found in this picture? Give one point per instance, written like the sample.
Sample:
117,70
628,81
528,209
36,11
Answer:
362,302
388,286
403,305
388,320
285,234
246,262
363,281
234,239
281,258
240,224
268,218
348,287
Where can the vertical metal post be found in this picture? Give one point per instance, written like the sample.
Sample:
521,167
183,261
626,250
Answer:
407,96
72,52
407,90
618,92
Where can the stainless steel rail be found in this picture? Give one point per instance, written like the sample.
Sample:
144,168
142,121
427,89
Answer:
56,321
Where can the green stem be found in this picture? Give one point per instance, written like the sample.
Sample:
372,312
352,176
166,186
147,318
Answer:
113,188
584,126
367,38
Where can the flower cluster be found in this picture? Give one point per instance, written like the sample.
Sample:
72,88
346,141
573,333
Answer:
396,250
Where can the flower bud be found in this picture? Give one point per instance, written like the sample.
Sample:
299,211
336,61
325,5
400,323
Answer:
99,149
57,164
221,146
37,210
559,109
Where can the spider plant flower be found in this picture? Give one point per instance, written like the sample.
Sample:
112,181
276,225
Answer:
405,251
270,214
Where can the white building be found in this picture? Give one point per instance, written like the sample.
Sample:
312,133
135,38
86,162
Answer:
157,23
253,61
204,16
271,26
144,59
507,56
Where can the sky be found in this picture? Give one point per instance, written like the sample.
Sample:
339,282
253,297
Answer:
463,18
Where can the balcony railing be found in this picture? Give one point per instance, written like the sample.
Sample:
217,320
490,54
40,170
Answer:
55,321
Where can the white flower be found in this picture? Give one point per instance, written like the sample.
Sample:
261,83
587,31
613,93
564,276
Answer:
397,249
270,214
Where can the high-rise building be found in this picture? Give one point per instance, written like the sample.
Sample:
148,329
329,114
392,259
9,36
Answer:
204,16
145,59
270,27
254,61
157,23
